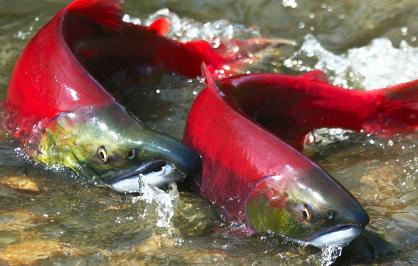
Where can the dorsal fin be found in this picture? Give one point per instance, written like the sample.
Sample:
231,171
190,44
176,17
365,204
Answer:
107,13
161,26
212,84
317,75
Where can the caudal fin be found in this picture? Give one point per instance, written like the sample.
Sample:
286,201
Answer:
107,13
398,112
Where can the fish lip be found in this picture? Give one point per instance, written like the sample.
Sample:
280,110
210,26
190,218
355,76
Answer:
158,173
339,236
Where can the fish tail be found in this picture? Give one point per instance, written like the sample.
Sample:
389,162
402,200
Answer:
397,112
237,52
235,48
107,13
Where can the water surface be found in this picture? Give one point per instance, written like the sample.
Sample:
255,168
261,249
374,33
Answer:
364,44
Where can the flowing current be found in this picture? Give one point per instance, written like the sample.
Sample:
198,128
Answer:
63,221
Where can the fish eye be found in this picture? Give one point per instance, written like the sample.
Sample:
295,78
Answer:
132,154
102,154
306,213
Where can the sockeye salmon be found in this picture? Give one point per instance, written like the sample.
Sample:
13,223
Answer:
62,115
248,130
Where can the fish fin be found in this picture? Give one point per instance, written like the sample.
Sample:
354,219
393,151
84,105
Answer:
235,53
211,82
161,26
107,13
397,112
317,75
247,47
405,91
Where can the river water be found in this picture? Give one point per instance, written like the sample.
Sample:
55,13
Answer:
54,218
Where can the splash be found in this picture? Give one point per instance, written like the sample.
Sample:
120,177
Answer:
376,65
290,3
161,203
330,254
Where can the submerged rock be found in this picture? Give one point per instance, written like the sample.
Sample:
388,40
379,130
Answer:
29,252
21,183
18,220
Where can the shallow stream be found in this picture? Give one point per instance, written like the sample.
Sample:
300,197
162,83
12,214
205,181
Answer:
51,218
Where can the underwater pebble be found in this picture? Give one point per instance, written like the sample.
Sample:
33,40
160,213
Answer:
22,183
18,220
29,252
380,181
154,243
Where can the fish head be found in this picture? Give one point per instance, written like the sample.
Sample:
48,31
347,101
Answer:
108,146
307,207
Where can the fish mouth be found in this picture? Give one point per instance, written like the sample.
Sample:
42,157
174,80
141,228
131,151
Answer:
158,173
335,236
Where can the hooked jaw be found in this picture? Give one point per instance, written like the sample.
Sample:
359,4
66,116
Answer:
157,173
174,163
165,160
339,235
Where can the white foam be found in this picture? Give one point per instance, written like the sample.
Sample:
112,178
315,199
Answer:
379,64
186,29
330,254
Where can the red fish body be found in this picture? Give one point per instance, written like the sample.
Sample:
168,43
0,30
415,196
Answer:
58,109
55,72
244,127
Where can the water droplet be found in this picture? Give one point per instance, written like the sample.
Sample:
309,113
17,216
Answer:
301,25
289,3
404,31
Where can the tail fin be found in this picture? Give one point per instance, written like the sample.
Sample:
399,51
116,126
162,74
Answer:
236,48
398,112
107,13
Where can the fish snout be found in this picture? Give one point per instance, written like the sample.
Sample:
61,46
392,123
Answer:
156,173
352,213
174,153
161,161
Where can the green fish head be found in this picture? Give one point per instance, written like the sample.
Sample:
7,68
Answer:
108,146
308,207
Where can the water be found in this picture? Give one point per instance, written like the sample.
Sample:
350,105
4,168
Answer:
54,218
